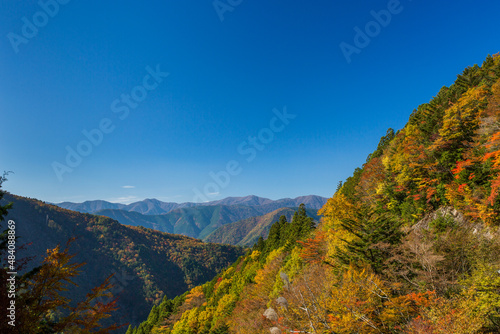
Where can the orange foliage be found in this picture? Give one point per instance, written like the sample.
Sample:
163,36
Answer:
313,248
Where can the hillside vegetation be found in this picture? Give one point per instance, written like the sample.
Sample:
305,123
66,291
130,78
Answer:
246,232
408,244
147,264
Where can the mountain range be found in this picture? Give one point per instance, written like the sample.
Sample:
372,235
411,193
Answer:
232,224
199,220
196,222
157,207
146,264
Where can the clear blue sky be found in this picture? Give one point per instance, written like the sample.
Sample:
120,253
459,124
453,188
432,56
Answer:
84,64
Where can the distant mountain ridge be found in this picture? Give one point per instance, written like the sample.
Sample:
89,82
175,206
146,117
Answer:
90,206
148,264
196,222
157,207
200,221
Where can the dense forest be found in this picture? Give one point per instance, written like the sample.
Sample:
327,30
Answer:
62,256
408,244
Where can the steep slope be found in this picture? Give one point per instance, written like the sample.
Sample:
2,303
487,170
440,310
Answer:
147,264
408,244
246,232
206,308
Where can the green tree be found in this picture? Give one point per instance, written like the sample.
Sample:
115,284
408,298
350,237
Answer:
277,234
260,244
372,233
301,224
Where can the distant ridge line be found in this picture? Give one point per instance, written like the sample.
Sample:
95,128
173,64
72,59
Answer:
152,206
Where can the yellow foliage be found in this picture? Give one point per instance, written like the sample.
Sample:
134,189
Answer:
463,114
356,301
334,211
230,270
485,285
255,255
459,315
265,276
188,323
292,267
194,295
224,306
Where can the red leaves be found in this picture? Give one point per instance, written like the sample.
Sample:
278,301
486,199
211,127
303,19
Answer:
495,187
312,251
461,166
421,299
430,193
399,188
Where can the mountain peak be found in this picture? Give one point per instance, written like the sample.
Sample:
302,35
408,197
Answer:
153,206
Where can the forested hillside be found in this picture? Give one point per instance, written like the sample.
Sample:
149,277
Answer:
408,244
207,308
147,265
246,232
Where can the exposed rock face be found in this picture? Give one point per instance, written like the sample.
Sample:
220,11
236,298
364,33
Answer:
444,211
460,220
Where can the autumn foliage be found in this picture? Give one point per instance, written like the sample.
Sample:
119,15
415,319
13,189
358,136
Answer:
408,244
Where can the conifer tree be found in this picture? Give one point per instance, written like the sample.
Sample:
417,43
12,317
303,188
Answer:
260,244
372,232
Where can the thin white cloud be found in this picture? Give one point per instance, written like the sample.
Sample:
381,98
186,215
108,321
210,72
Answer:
128,187
213,194
123,200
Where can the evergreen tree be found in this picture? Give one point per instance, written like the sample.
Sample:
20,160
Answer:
259,245
301,224
372,231
277,235
339,186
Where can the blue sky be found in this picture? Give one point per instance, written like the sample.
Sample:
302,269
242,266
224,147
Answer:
215,125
